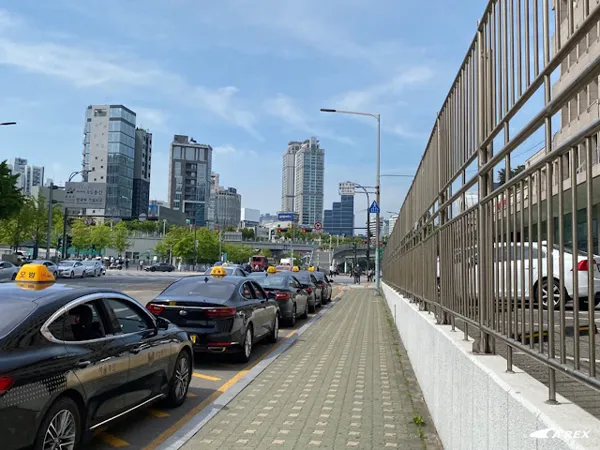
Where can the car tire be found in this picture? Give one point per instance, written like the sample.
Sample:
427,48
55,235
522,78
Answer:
180,381
72,274
14,277
274,335
292,320
244,355
311,308
65,412
83,274
555,291
55,275
305,313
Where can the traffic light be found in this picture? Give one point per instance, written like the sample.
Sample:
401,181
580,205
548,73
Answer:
69,242
304,230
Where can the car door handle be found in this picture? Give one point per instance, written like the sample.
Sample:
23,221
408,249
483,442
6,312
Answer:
83,364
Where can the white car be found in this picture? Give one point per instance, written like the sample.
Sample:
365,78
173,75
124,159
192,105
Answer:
71,269
93,268
528,263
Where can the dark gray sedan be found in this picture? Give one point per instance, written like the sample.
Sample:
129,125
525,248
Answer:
289,294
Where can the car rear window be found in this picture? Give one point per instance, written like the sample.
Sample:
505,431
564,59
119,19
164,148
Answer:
13,313
303,278
273,281
200,288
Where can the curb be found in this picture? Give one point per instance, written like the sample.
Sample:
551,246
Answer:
189,430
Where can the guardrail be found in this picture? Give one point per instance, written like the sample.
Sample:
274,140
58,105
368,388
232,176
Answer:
505,268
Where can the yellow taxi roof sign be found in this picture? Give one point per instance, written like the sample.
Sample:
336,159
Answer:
271,269
34,273
295,269
218,271
311,269
29,286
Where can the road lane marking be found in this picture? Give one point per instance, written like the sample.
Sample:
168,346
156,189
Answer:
291,333
112,440
157,412
192,395
206,377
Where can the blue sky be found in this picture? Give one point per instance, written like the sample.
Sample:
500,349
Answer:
244,77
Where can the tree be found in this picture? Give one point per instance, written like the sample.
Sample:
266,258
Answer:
38,225
11,198
237,253
57,225
208,245
100,237
266,252
81,235
17,229
120,238
248,234
513,172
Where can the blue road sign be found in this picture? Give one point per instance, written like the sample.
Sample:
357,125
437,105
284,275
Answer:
374,209
285,217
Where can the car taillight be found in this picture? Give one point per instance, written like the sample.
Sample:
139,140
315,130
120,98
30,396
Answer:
220,312
5,384
282,296
155,309
582,266
309,290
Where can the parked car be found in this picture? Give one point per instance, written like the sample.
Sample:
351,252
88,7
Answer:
53,268
71,269
8,271
72,360
311,286
93,268
291,297
160,267
222,315
325,285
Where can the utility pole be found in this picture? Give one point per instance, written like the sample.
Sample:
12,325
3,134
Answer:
49,235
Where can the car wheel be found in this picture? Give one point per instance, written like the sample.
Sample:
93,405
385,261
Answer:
180,381
292,320
83,274
61,426
72,274
275,331
55,275
312,308
14,277
305,313
549,290
244,355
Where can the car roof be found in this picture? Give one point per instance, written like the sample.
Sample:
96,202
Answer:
52,293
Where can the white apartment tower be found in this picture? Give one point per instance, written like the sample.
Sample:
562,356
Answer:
288,177
309,173
29,176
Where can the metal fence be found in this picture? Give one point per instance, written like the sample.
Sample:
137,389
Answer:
517,266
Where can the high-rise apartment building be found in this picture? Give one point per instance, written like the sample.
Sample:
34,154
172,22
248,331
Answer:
109,154
190,169
29,176
141,172
228,207
309,182
288,179
303,180
339,220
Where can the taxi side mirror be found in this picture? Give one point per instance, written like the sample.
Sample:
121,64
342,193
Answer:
162,323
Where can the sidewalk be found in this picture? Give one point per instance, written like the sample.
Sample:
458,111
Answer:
346,383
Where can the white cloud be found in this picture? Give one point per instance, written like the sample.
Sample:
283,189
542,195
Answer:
86,67
230,150
285,109
152,117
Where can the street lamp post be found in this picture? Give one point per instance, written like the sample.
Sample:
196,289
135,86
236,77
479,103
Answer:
7,123
368,223
377,185
66,215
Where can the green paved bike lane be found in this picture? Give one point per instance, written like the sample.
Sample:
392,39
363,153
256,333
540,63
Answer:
346,383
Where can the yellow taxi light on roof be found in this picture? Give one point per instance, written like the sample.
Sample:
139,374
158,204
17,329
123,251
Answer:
311,269
218,271
36,286
271,269
34,273
295,269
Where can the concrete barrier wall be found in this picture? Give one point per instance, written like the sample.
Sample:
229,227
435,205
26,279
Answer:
474,403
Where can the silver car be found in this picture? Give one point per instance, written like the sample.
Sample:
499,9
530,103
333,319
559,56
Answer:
8,271
71,269
93,268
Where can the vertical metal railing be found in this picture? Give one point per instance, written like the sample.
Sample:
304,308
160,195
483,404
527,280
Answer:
516,270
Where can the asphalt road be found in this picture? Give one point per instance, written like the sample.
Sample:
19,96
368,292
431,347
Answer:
213,374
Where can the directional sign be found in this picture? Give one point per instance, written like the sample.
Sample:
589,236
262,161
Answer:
374,209
85,195
232,236
318,226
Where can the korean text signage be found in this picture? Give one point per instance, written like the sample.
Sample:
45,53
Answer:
232,236
285,217
85,195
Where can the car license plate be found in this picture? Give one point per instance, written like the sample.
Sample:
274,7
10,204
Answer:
193,337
